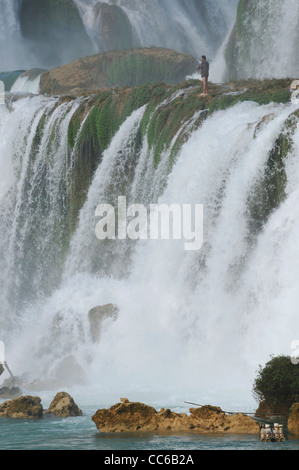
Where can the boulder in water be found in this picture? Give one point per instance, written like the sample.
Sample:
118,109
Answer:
26,407
97,316
63,406
137,417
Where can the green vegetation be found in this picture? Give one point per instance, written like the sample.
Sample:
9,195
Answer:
276,91
141,68
270,190
171,113
278,382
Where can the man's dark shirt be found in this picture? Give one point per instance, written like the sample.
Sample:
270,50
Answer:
204,68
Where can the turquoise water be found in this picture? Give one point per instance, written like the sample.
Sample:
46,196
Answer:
81,434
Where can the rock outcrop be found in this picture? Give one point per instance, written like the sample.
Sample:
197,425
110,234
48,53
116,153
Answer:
293,423
97,316
268,410
26,407
63,406
10,392
30,407
116,32
119,69
54,31
138,417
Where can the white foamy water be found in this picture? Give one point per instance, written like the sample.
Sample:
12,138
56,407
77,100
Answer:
271,47
175,24
198,322
26,85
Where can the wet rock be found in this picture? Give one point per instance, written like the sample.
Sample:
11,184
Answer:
293,423
138,417
97,316
26,407
63,406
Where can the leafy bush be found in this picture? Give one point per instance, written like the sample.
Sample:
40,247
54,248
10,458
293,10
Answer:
278,382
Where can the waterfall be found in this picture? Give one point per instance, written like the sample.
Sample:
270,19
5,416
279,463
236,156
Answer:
187,320
181,25
33,194
26,85
11,45
264,43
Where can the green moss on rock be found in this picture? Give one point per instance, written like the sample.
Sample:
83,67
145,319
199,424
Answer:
119,69
270,190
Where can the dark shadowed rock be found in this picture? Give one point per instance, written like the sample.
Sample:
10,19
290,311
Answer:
97,316
54,31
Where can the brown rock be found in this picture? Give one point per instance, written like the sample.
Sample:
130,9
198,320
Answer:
121,68
64,406
268,410
132,417
1,368
293,423
124,400
25,407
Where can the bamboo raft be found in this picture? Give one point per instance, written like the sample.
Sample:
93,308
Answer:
269,434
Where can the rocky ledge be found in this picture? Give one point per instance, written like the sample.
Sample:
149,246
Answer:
119,69
138,417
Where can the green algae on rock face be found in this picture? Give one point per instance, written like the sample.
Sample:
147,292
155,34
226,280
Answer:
270,190
171,114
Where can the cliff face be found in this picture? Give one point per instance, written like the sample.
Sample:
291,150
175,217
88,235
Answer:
117,69
54,31
71,135
168,125
293,424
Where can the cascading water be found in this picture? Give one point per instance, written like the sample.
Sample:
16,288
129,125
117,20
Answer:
264,42
181,25
11,45
187,320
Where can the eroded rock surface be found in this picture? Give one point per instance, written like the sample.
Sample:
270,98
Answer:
63,406
137,417
26,407
293,424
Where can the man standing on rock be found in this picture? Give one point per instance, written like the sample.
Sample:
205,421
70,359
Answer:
204,69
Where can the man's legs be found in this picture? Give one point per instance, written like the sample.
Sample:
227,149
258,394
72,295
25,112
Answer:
205,85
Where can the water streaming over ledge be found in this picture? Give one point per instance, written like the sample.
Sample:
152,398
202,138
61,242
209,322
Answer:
187,320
